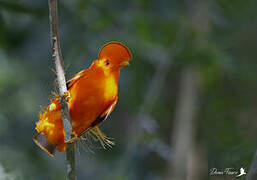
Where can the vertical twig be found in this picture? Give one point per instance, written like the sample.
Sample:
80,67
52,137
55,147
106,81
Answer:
57,57
183,136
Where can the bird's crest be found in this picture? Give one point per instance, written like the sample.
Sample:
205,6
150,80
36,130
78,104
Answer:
115,51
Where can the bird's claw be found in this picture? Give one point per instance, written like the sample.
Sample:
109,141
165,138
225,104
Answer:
67,95
73,139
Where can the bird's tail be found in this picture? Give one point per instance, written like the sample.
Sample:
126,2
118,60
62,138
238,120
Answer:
40,140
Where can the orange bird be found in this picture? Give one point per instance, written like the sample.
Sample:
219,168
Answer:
93,94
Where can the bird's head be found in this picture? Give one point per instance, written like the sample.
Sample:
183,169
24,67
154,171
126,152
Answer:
113,56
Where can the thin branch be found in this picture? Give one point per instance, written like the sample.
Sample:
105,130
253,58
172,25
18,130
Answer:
57,57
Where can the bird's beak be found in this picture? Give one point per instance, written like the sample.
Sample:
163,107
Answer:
124,63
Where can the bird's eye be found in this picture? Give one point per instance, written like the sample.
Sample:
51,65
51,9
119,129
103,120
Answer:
107,63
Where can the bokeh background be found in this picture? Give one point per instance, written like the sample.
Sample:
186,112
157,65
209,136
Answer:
186,104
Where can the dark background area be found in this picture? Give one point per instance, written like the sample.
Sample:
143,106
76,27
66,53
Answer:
187,103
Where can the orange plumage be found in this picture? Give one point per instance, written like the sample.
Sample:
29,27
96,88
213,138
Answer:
93,96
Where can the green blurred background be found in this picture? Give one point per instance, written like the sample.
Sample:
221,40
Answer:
186,104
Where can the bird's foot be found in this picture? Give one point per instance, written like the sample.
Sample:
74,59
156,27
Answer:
67,95
73,139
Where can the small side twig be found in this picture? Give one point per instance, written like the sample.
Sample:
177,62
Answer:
57,57
252,174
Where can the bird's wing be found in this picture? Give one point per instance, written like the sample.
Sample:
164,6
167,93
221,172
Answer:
104,115
75,78
94,128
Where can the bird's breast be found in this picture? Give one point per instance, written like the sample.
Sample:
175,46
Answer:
111,88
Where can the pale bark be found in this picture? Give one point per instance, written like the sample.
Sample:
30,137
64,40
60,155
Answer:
57,57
